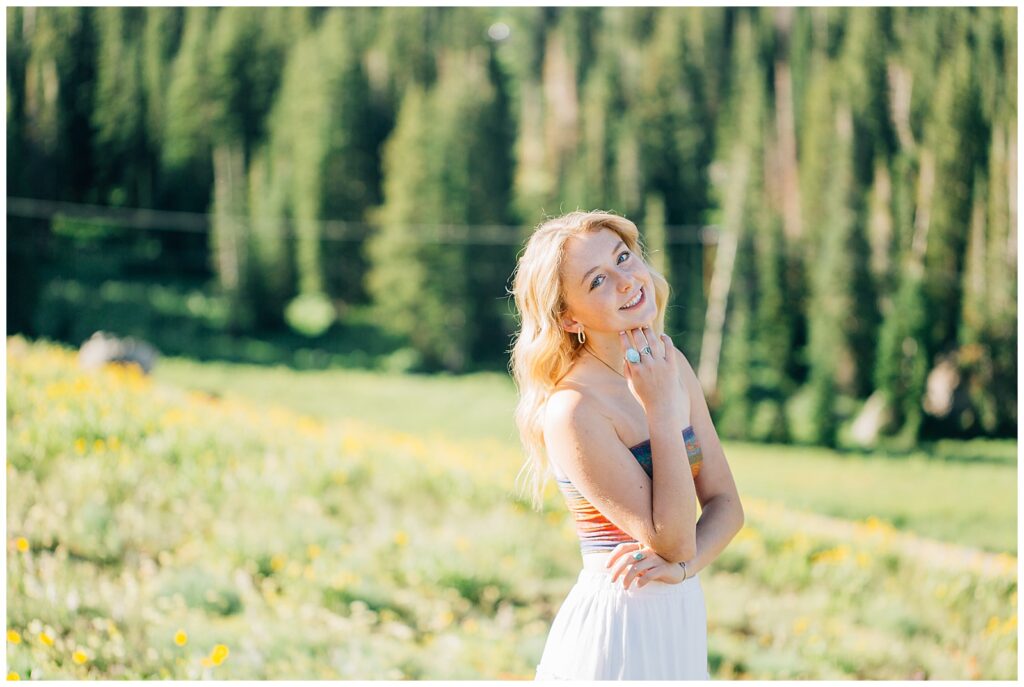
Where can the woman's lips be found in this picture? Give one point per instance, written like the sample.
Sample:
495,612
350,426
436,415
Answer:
643,298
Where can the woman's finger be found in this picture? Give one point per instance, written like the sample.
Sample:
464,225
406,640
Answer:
652,341
622,564
639,569
618,551
626,343
619,567
650,575
656,343
637,341
631,335
642,341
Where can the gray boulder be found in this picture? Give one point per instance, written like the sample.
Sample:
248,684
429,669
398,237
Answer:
102,348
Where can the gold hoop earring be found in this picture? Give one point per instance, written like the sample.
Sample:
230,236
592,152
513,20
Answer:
580,336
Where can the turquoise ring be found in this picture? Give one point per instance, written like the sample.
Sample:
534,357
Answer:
638,556
632,355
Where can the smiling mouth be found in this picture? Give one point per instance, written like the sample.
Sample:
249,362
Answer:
640,300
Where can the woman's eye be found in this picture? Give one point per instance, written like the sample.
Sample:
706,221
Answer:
595,282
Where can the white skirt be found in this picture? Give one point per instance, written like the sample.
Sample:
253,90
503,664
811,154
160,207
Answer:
605,632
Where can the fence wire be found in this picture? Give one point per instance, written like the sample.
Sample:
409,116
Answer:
326,229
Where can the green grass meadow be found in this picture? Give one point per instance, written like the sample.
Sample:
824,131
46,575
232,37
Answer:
960,492
236,522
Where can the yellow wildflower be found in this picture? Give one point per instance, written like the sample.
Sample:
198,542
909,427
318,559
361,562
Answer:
13,637
834,555
1010,625
993,626
80,446
309,427
98,445
13,676
401,538
22,544
276,562
180,638
172,417
45,639
79,657
800,625
746,532
219,653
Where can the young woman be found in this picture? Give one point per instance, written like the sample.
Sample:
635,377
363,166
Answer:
613,410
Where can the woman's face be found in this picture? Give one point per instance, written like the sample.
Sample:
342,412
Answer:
600,275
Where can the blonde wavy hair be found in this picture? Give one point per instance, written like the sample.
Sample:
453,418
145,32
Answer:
543,352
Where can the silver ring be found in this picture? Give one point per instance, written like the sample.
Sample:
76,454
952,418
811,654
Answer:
647,350
632,355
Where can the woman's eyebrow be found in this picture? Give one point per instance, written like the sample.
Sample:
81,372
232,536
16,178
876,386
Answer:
620,243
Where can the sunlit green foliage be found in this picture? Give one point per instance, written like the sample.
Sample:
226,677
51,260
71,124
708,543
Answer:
328,145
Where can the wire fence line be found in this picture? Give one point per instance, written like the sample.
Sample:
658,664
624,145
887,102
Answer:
199,223
328,230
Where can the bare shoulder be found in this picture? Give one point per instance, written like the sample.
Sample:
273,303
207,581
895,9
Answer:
566,408
574,423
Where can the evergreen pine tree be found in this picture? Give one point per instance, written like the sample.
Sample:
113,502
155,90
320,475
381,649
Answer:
421,283
952,132
120,137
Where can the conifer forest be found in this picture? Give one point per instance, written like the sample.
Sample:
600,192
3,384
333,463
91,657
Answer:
831,192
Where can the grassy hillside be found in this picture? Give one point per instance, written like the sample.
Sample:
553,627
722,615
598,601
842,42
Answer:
159,532
960,492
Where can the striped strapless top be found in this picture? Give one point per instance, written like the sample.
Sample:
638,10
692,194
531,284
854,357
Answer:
595,531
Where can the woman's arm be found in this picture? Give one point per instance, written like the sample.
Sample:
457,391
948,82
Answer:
582,441
714,482
721,511
675,498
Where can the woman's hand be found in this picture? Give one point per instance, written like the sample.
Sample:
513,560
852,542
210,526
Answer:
654,381
650,567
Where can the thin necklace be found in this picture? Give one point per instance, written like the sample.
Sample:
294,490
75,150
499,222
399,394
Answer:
603,362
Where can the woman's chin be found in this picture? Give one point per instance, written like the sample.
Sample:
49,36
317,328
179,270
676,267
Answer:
640,317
